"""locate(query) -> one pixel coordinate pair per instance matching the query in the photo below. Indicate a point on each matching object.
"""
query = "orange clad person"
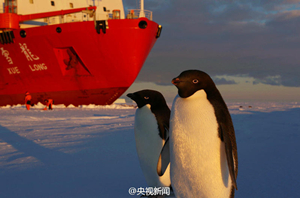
(27, 100)
(49, 103)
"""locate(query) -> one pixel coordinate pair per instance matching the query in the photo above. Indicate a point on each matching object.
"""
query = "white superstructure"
(104, 7)
(104, 11)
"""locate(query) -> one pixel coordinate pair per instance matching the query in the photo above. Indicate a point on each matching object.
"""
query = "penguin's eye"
(146, 97)
(195, 81)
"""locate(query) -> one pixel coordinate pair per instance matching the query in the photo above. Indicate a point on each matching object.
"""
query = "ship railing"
(85, 15)
(138, 13)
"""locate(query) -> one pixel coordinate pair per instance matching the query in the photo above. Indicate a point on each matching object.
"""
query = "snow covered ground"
(89, 152)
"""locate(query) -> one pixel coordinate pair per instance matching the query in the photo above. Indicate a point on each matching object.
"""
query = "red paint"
(76, 66)
(9, 21)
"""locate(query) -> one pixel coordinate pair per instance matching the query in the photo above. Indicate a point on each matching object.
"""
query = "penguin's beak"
(130, 95)
(175, 81)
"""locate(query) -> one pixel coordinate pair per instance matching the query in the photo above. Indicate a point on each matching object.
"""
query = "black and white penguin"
(151, 127)
(202, 144)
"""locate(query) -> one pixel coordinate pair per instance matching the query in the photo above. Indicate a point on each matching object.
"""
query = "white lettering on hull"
(13, 70)
(27, 52)
(38, 67)
(5, 53)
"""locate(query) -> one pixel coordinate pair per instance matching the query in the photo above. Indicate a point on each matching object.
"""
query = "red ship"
(81, 55)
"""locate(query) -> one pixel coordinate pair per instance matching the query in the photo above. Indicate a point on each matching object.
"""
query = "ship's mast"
(142, 13)
(90, 2)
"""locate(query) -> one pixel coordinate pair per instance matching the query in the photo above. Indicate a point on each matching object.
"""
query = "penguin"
(202, 143)
(151, 127)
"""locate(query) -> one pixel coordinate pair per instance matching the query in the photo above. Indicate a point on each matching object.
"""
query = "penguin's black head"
(190, 81)
(143, 97)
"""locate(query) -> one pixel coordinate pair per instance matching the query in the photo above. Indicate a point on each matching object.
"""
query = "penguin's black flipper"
(164, 159)
(166, 132)
(228, 149)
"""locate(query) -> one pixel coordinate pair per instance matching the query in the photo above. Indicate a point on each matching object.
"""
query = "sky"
(250, 48)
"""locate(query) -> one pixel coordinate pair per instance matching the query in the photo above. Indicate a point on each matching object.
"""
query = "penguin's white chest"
(198, 159)
(148, 146)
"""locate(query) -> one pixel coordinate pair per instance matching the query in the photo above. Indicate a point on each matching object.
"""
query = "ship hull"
(72, 63)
